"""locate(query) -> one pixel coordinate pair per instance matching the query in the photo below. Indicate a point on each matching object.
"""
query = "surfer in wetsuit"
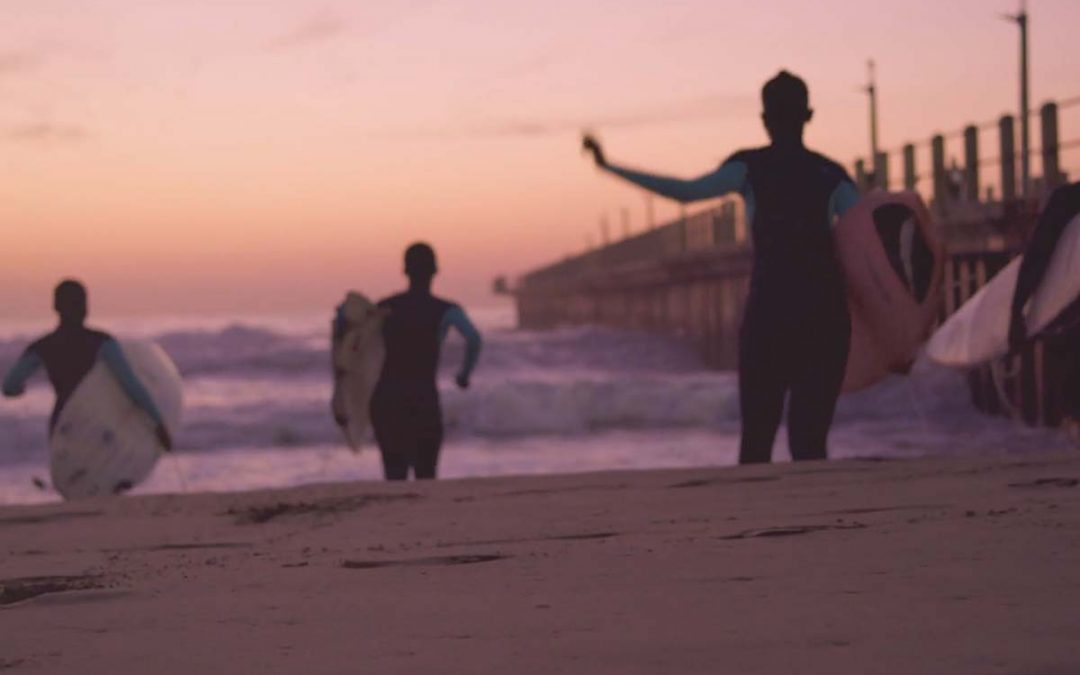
(1061, 339)
(69, 352)
(405, 411)
(796, 329)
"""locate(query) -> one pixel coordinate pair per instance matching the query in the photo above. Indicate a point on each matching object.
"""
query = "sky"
(262, 156)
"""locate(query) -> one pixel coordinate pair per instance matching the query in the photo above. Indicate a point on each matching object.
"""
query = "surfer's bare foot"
(462, 381)
(163, 437)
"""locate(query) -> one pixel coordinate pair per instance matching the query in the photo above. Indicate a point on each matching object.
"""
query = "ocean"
(257, 393)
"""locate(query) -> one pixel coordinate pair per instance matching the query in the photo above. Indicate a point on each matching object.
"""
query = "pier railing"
(986, 213)
(714, 228)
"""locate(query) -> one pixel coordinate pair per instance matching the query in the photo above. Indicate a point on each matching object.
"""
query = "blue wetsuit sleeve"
(730, 177)
(843, 197)
(455, 317)
(114, 358)
(15, 380)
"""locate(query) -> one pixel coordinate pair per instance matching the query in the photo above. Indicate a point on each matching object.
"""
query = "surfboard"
(978, 332)
(357, 357)
(893, 262)
(103, 442)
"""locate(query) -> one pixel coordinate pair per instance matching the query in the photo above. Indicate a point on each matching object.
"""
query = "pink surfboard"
(893, 264)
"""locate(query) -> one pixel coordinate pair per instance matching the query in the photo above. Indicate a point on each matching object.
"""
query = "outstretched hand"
(163, 437)
(591, 145)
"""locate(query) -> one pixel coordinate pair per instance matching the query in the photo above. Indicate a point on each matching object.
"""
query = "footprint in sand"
(259, 514)
(38, 519)
(791, 530)
(422, 562)
(25, 588)
(1048, 482)
(702, 482)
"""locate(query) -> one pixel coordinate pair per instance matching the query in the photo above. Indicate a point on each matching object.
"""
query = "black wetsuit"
(68, 354)
(405, 411)
(1062, 336)
(796, 331)
(1061, 208)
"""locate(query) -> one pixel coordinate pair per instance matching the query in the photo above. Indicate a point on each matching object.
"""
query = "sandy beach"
(928, 566)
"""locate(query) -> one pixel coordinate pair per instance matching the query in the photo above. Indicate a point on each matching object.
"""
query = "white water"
(584, 399)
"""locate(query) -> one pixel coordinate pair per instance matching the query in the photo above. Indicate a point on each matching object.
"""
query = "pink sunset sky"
(215, 156)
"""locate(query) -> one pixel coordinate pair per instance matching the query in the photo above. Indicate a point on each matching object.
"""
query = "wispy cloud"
(44, 132)
(528, 66)
(318, 28)
(328, 25)
(705, 108)
(18, 61)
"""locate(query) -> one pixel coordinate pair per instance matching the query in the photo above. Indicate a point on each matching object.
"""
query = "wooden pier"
(689, 278)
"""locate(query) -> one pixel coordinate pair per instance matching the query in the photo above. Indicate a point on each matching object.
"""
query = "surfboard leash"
(999, 372)
(178, 470)
(920, 411)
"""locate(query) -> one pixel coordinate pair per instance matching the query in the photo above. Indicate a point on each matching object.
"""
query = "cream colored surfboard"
(358, 360)
(103, 443)
(979, 331)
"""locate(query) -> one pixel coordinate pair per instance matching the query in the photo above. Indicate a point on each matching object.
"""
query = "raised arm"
(15, 380)
(129, 382)
(455, 317)
(729, 177)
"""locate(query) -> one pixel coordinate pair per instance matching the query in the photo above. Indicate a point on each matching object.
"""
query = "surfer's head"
(420, 262)
(69, 301)
(786, 109)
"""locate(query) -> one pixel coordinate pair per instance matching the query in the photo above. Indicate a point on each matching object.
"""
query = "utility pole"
(871, 91)
(1021, 20)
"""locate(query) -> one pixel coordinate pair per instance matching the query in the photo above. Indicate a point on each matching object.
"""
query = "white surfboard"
(358, 360)
(103, 442)
(979, 331)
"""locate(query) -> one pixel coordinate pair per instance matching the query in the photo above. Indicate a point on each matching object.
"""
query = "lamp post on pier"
(1021, 20)
(876, 162)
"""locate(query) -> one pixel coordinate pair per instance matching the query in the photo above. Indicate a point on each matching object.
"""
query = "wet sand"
(928, 566)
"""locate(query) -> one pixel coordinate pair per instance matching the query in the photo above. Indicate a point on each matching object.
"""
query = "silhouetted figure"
(796, 329)
(1061, 207)
(69, 352)
(405, 411)
(1062, 337)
